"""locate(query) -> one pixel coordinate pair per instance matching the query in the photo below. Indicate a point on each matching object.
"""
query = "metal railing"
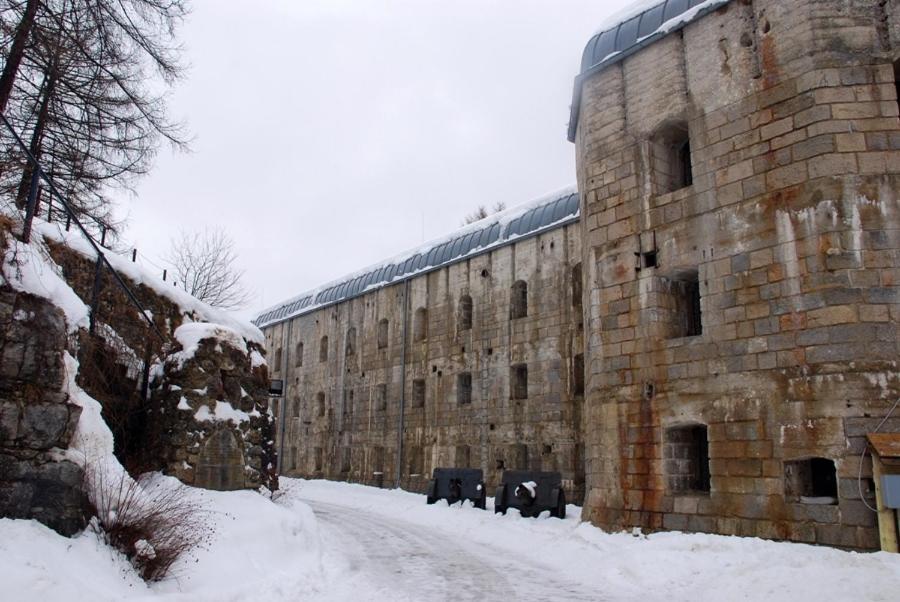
(102, 264)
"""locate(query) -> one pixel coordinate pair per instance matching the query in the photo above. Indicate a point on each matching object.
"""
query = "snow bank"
(257, 550)
(27, 270)
(223, 412)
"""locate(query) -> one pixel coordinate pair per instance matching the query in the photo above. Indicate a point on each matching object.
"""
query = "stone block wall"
(343, 416)
(788, 234)
(36, 418)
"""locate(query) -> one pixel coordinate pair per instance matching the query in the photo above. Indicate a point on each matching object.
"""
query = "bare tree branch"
(205, 264)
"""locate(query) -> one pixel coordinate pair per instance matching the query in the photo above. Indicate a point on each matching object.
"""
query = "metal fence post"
(31, 205)
(95, 294)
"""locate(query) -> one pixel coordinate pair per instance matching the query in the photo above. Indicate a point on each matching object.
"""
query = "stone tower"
(738, 163)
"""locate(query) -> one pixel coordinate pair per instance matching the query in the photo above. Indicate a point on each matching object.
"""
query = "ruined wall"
(343, 407)
(788, 228)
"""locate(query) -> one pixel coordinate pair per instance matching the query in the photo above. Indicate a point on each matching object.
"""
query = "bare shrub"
(152, 524)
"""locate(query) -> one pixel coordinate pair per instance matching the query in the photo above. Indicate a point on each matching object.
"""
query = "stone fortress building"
(700, 342)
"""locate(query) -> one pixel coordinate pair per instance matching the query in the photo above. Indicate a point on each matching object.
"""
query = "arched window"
(298, 355)
(464, 313)
(323, 349)
(420, 325)
(576, 285)
(518, 307)
(383, 331)
(351, 342)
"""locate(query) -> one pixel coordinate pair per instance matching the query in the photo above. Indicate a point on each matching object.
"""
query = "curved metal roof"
(613, 44)
(485, 235)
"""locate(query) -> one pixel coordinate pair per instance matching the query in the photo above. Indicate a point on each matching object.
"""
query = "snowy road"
(400, 560)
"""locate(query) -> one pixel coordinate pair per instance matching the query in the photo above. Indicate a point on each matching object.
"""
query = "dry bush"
(152, 524)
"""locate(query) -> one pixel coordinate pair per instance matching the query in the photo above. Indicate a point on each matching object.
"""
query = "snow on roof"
(494, 231)
(630, 29)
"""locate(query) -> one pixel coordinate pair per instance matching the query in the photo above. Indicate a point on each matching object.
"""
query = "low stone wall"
(212, 412)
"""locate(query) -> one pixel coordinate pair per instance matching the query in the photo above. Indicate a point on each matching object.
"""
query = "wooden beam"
(887, 517)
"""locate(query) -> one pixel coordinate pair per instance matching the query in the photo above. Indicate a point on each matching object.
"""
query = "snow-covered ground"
(333, 541)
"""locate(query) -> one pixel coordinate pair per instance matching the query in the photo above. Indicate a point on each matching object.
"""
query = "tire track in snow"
(392, 559)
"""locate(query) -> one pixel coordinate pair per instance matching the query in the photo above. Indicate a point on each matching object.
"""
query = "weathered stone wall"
(36, 418)
(790, 229)
(343, 408)
(210, 419)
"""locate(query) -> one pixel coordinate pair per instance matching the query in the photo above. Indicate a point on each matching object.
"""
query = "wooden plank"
(887, 518)
(886, 445)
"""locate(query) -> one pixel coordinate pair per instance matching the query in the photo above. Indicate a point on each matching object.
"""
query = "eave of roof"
(614, 44)
(498, 230)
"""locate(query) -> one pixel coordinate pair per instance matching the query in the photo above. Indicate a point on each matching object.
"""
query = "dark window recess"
(420, 325)
(578, 375)
(463, 456)
(686, 454)
(277, 367)
(317, 454)
(577, 285)
(381, 397)
(464, 388)
(518, 456)
(811, 481)
(298, 355)
(345, 459)
(518, 381)
(296, 408)
(416, 462)
(671, 159)
(320, 404)
(686, 313)
(897, 80)
(464, 311)
(383, 327)
(518, 303)
(323, 349)
(418, 393)
(350, 348)
(348, 402)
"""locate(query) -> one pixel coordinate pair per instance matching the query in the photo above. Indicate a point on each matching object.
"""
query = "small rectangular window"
(418, 393)
(687, 459)
(686, 311)
(811, 481)
(381, 397)
(518, 381)
(464, 388)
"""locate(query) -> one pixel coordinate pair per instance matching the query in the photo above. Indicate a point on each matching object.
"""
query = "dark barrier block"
(531, 493)
(457, 484)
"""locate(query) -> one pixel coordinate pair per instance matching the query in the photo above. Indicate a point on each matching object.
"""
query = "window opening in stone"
(277, 360)
(317, 453)
(686, 312)
(576, 286)
(420, 324)
(518, 307)
(418, 393)
(518, 385)
(298, 355)
(323, 349)
(578, 375)
(350, 348)
(811, 481)
(345, 460)
(686, 456)
(897, 80)
(381, 397)
(296, 408)
(671, 159)
(320, 404)
(383, 326)
(465, 312)
(348, 402)
(464, 388)
(463, 456)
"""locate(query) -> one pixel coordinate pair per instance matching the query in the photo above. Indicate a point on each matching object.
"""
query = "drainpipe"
(402, 387)
(285, 352)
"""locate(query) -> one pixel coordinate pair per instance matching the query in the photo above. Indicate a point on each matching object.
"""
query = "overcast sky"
(329, 135)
